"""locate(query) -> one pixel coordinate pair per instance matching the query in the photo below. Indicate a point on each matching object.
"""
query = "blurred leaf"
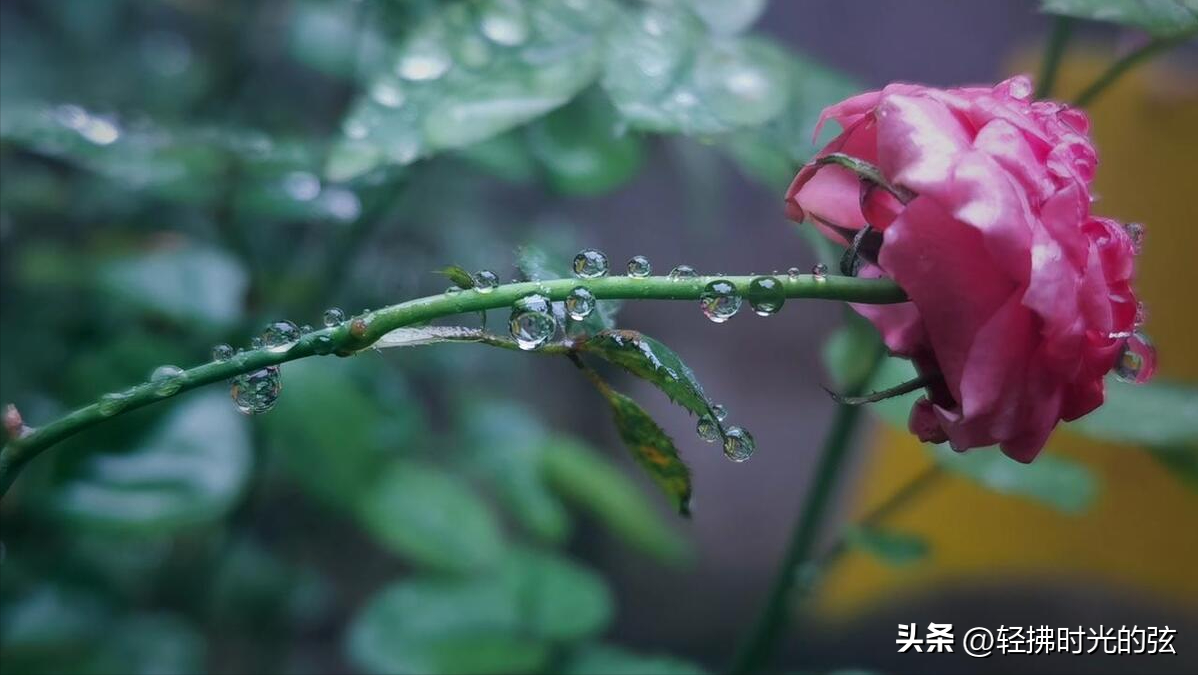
(191, 469)
(1157, 414)
(1051, 480)
(255, 590)
(1182, 462)
(334, 435)
(539, 263)
(460, 277)
(333, 37)
(666, 73)
(729, 16)
(582, 150)
(187, 284)
(50, 618)
(603, 659)
(847, 351)
(150, 644)
(888, 546)
(505, 157)
(652, 449)
(505, 445)
(774, 151)
(470, 72)
(497, 623)
(593, 483)
(1161, 18)
(431, 518)
(652, 361)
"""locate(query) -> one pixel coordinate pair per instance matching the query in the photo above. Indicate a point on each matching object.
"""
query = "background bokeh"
(177, 173)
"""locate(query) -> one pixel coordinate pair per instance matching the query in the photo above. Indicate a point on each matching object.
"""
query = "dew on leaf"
(738, 444)
(707, 429)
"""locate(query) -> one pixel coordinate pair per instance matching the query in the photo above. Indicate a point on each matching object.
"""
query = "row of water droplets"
(1136, 362)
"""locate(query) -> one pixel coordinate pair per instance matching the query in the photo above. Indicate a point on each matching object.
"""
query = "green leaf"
(505, 445)
(666, 73)
(459, 276)
(582, 150)
(1182, 462)
(431, 518)
(593, 483)
(188, 284)
(651, 448)
(888, 546)
(603, 659)
(191, 469)
(1157, 414)
(470, 72)
(496, 623)
(652, 361)
(333, 434)
(1161, 18)
(1053, 481)
(729, 16)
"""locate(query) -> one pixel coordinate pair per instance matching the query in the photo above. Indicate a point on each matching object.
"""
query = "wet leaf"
(1161, 18)
(593, 483)
(1182, 462)
(539, 263)
(431, 518)
(428, 335)
(652, 361)
(888, 546)
(1156, 414)
(459, 276)
(468, 73)
(191, 469)
(1053, 481)
(582, 150)
(729, 16)
(185, 284)
(604, 659)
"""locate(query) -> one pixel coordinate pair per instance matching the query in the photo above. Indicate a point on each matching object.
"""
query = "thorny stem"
(364, 330)
(762, 641)
(1118, 68)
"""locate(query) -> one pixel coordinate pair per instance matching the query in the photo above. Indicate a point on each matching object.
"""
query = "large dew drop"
(1137, 360)
(639, 267)
(167, 380)
(766, 295)
(222, 352)
(683, 272)
(532, 323)
(504, 23)
(485, 281)
(580, 303)
(590, 264)
(719, 300)
(708, 429)
(738, 444)
(279, 336)
(820, 272)
(256, 392)
(423, 61)
(332, 317)
(111, 404)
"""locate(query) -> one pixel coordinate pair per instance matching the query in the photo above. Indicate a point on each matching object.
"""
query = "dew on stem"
(332, 317)
(167, 380)
(114, 402)
(485, 281)
(531, 323)
(256, 392)
(279, 336)
(222, 352)
(820, 272)
(766, 295)
(683, 272)
(793, 273)
(720, 300)
(590, 264)
(580, 303)
(639, 267)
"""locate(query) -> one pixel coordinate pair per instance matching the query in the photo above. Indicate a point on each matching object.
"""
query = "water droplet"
(820, 272)
(305, 329)
(793, 273)
(279, 336)
(1135, 232)
(255, 342)
(387, 93)
(738, 444)
(332, 317)
(342, 204)
(708, 429)
(683, 272)
(222, 352)
(167, 380)
(301, 186)
(532, 323)
(485, 281)
(505, 23)
(1137, 360)
(590, 264)
(766, 295)
(720, 412)
(113, 403)
(580, 303)
(639, 267)
(256, 392)
(720, 300)
(423, 61)
(355, 129)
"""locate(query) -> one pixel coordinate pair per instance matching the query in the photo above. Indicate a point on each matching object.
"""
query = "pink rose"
(1020, 298)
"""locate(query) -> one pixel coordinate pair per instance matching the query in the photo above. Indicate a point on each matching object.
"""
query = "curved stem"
(761, 642)
(1062, 26)
(1118, 68)
(362, 331)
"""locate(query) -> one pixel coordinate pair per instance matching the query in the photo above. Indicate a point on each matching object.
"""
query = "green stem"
(761, 642)
(1062, 26)
(1118, 68)
(362, 331)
